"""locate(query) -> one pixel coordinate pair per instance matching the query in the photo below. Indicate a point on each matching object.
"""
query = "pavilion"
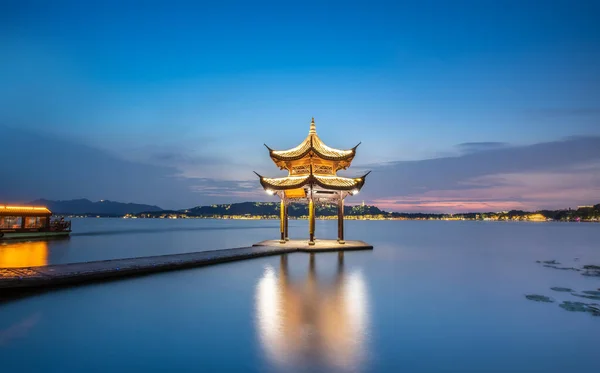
(312, 178)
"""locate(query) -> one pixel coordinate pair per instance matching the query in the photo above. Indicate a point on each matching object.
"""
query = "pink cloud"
(515, 191)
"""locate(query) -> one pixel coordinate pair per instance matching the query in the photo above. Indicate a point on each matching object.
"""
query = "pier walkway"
(75, 273)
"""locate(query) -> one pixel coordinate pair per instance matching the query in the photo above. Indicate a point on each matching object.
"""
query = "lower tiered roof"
(325, 182)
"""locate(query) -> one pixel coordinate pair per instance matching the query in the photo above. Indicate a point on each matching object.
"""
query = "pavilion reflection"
(23, 254)
(315, 320)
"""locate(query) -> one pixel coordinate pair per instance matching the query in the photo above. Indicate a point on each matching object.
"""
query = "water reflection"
(312, 320)
(19, 329)
(23, 254)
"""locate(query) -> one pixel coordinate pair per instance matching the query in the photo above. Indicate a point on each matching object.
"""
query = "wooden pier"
(75, 273)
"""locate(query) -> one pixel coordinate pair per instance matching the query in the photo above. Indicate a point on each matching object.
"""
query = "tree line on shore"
(297, 210)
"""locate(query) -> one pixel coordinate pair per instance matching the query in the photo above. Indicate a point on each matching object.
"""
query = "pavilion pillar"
(282, 221)
(341, 220)
(311, 221)
(285, 228)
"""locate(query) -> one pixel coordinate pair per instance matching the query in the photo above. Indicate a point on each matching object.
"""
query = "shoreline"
(324, 218)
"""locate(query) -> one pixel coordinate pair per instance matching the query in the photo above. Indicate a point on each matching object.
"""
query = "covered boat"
(30, 222)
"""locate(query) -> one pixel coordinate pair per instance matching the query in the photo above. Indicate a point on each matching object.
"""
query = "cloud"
(545, 175)
(191, 164)
(229, 189)
(40, 166)
(547, 113)
(470, 147)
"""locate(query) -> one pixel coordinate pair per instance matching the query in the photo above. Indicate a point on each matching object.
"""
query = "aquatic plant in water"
(539, 298)
(591, 270)
(594, 297)
(566, 290)
(580, 307)
(547, 261)
(588, 269)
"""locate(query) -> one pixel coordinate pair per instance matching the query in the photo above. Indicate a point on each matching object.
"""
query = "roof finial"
(313, 129)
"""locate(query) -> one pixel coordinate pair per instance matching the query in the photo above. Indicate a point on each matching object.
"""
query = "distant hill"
(85, 206)
(272, 208)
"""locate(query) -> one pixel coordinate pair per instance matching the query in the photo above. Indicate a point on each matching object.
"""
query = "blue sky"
(184, 94)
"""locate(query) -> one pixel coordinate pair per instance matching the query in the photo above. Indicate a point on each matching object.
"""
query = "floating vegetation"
(539, 298)
(563, 268)
(566, 290)
(594, 297)
(580, 307)
(547, 261)
(591, 270)
(586, 270)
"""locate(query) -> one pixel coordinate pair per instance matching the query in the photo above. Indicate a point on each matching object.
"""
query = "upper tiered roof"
(313, 146)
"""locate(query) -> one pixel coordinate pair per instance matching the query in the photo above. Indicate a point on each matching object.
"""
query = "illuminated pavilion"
(312, 177)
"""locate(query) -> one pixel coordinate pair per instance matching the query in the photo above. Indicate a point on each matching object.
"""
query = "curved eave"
(281, 183)
(334, 184)
(280, 155)
(331, 183)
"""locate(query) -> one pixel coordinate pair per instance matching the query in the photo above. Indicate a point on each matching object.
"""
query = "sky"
(459, 105)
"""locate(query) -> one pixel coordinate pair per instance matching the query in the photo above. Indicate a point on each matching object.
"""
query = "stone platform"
(319, 246)
(76, 273)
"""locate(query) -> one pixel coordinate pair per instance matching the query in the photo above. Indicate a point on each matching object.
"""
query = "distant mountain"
(85, 206)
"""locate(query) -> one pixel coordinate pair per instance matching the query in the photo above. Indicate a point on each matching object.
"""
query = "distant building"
(536, 217)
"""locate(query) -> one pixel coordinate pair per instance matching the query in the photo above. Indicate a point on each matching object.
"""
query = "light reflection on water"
(312, 319)
(19, 329)
(23, 254)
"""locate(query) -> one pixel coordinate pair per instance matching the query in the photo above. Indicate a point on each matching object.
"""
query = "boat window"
(10, 222)
(35, 222)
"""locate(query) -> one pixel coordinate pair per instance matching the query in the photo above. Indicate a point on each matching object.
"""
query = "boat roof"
(6, 210)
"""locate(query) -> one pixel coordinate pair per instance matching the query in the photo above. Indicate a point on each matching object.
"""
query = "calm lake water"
(431, 297)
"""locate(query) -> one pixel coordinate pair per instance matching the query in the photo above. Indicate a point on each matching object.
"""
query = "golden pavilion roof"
(312, 145)
(310, 165)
